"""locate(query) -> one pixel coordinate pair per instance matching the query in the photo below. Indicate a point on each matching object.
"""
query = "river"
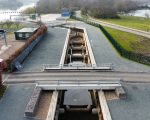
(141, 13)
(5, 14)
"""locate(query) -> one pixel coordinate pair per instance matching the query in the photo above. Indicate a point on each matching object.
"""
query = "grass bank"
(132, 22)
(130, 42)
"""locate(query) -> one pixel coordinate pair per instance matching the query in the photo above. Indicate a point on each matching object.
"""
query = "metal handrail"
(79, 82)
(65, 66)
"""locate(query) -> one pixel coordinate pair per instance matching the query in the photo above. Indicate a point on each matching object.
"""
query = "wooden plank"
(53, 105)
(104, 107)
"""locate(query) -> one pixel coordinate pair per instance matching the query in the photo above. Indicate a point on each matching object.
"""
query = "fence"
(138, 57)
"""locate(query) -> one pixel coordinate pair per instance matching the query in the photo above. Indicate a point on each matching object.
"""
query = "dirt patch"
(44, 104)
(110, 95)
(15, 45)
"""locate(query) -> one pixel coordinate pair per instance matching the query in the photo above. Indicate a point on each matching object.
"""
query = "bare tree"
(147, 15)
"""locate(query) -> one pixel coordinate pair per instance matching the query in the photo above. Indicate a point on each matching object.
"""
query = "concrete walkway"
(48, 51)
(135, 107)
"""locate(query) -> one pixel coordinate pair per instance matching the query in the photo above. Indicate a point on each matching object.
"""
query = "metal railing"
(107, 66)
(78, 84)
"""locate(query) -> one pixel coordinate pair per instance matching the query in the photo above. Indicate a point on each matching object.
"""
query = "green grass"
(70, 19)
(13, 27)
(2, 91)
(130, 42)
(131, 21)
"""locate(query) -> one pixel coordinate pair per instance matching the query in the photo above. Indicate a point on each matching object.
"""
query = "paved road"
(32, 77)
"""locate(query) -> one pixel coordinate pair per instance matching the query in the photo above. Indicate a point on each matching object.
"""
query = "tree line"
(94, 8)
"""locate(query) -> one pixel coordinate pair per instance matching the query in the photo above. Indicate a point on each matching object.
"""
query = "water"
(141, 13)
(5, 14)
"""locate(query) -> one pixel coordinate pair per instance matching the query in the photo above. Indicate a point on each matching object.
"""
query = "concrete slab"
(12, 105)
(48, 51)
(135, 107)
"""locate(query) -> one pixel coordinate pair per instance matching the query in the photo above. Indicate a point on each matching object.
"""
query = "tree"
(30, 10)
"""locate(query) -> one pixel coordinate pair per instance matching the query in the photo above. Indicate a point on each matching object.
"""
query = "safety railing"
(107, 66)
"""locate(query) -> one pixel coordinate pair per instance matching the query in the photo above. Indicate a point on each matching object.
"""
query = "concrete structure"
(50, 52)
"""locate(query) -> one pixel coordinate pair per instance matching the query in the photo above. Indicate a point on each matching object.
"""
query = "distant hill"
(8, 4)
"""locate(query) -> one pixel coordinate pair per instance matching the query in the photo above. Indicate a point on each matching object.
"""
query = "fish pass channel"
(72, 104)
(77, 53)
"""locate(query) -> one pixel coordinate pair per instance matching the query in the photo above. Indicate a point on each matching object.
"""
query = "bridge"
(58, 75)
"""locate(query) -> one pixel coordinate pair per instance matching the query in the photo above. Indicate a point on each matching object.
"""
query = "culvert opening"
(78, 105)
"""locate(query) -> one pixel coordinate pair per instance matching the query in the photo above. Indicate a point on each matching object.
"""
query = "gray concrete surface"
(48, 51)
(135, 107)
(104, 52)
(74, 75)
(14, 101)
